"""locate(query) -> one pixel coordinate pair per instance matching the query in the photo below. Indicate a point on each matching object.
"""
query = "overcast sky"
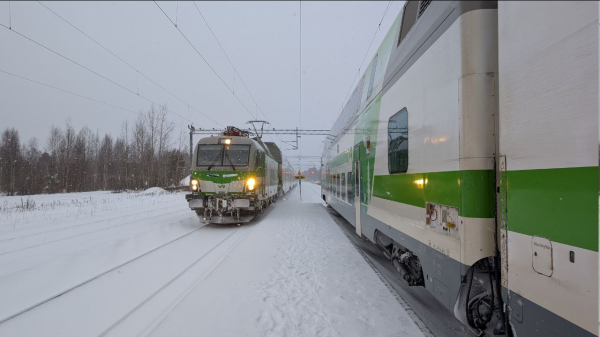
(262, 40)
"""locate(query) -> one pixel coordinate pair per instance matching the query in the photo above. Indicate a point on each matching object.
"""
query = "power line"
(126, 63)
(365, 56)
(204, 59)
(68, 92)
(90, 70)
(235, 71)
(228, 59)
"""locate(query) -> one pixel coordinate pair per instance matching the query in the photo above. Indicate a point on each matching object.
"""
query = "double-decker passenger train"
(468, 152)
(234, 177)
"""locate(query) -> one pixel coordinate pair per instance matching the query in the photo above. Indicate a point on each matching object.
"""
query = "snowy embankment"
(18, 212)
(145, 265)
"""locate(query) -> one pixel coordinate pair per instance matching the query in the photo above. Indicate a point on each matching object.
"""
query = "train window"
(343, 186)
(236, 155)
(409, 17)
(350, 188)
(209, 154)
(333, 184)
(398, 142)
(373, 70)
(339, 189)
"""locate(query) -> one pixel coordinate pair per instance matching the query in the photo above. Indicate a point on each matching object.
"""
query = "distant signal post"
(299, 177)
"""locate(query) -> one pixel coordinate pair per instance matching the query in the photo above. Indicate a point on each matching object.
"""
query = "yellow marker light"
(227, 141)
(250, 184)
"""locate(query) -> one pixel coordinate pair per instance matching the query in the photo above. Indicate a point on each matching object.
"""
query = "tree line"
(147, 153)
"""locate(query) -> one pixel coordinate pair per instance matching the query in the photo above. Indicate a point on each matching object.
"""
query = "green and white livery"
(468, 154)
(234, 177)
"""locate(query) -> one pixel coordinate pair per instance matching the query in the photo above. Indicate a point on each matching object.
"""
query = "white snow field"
(139, 264)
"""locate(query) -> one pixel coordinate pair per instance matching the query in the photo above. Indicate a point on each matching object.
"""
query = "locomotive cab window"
(398, 142)
(209, 154)
(237, 155)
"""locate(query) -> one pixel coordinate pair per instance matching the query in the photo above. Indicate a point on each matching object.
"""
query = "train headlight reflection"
(250, 183)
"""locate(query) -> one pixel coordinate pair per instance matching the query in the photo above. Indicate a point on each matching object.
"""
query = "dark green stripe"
(558, 204)
(475, 199)
(241, 175)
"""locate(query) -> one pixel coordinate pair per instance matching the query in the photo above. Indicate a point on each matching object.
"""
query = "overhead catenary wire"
(235, 71)
(229, 60)
(90, 70)
(204, 59)
(365, 56)
(69, 92)
(128, 64)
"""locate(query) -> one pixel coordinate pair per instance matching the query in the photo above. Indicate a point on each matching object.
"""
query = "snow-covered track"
(78, 273)
(41, 230)
(25, 258)
(35, 240)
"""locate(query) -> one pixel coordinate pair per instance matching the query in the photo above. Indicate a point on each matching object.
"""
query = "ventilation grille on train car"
(423, 6)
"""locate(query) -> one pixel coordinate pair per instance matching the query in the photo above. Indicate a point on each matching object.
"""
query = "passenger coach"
(468, 154)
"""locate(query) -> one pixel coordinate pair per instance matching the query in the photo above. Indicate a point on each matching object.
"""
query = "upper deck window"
(398, 142)
(373, 70)
(409, 17)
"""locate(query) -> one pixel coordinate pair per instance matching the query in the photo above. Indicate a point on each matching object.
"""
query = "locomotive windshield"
(209, 155)
(223, 155)
(237, 154)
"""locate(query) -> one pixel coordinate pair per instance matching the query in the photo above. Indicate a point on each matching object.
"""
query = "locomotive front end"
(230, 178)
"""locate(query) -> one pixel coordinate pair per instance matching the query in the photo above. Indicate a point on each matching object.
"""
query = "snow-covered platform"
(161, 272)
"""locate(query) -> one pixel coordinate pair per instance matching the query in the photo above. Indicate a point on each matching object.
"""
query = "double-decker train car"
(468, 154)
(234, 177)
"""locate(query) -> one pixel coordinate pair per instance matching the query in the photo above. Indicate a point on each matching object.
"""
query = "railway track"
(155, 279)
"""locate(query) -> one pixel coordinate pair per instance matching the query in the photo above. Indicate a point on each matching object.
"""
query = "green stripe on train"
(477, 200)
(558, 204)
(205, 175)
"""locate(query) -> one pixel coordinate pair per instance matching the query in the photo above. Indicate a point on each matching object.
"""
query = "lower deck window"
(343, 188)
(350, 188)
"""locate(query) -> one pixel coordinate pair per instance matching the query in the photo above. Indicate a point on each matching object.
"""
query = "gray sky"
(262, 39)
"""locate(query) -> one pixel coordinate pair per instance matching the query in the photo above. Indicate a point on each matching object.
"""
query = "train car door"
(357, 179)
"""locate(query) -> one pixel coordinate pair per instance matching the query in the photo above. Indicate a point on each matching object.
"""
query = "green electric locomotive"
(233, 177)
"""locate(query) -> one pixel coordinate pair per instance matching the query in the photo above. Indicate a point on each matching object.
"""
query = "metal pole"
(192, 129)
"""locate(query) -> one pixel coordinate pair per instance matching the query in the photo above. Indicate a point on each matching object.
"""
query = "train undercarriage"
(478, 303)
(228, 209)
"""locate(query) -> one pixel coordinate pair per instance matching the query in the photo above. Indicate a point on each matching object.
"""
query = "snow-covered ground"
(138, 264)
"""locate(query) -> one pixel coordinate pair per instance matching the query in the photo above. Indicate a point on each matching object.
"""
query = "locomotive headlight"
(194, 183)
(250, 184)
(227, 141)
